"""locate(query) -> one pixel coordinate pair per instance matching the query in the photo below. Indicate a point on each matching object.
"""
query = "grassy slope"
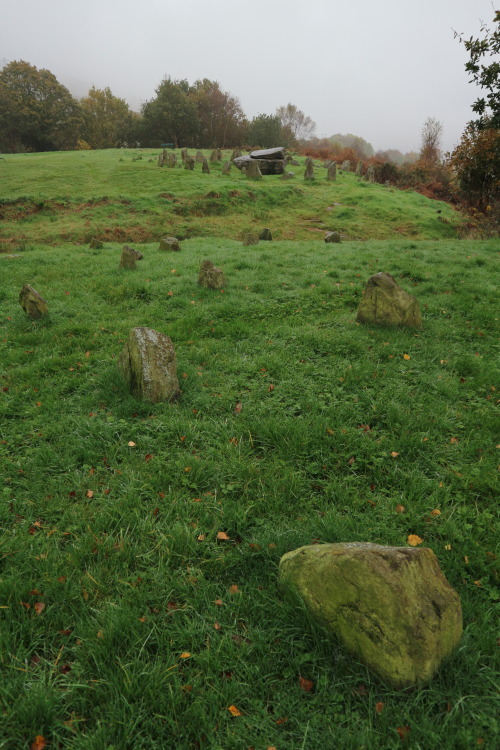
(119, 542)
(74, 196)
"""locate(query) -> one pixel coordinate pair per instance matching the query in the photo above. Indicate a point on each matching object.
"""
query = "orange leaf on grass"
(414, 540)
(435, 512)
(400, 508)
(89, 493)
(379, 707)
(38, 743)
(39, 607)
(222, 536)
(306, 685)
(131, 443)
(234, 589)
(234, 711)
(238, 407)
(282, 720)
(185, 655)
(406, 356)
(394, 454)
(404, 732)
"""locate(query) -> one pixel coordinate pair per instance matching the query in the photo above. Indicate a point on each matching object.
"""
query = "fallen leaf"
(221, 535)
(435, 512)
(218, 602)
(282, 720)
(131, 443)
(305, 684)
(148, 457)
(39, 607)
(351, 461)
(39, 742)
(454, 440)
(271, 387)
(234, 711)
(238, 407)
(216, 626)
(406, 356)
(201, 537)
(234, 589)
(87, 354)
(403, 732)
(447, 547)
(100, 634)
(185, 655)
(400, 508)
(394, 454)
(89, 493)
(414, 540)
(379, 707)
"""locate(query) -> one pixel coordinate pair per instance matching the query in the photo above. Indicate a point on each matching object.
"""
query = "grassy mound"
(140, 544)
(74, 196)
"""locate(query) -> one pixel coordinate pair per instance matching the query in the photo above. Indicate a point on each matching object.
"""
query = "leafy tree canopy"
(107, 120)
(265, 131)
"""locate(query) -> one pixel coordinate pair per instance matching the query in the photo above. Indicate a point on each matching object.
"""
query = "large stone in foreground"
(384, 302)
(149, 366)
(32, 302)
(390, 606)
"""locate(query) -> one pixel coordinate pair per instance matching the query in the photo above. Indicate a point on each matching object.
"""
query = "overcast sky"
(375, 68)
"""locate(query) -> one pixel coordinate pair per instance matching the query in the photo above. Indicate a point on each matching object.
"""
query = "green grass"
(120, 542)
(74, 196)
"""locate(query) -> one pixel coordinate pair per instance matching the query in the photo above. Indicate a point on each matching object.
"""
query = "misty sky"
(375, 68)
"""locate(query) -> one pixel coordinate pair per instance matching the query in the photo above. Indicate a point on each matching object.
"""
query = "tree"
(295, 124)
(266, 131)
(221, 119)
(36, 111)
(430, 150)
(485, 76)
(107, 120)
(171, 116)
(363, 149)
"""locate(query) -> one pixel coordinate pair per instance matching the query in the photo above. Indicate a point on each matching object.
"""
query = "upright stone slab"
(331, 174)
(161, 160)
(169, 243)
(332, 237)
(384, 302)
(148, 364)
(32, 302)
(213, 156)
(309, 173)
(199, 157)
(266, 235)
(129, 257)
(252, 170)
(389, 606)
(95, 244)
(172, 159)
(359, 169)
(184, 154)
(211, 277)
(346, 166)
(189, 163)
(204, 167)
(226, 168)
(370, 174)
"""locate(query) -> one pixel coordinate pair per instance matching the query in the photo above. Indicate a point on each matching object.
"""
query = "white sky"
(375, 68)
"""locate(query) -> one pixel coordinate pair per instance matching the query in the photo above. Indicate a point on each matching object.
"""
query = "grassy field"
(125, 621)
(74, 196)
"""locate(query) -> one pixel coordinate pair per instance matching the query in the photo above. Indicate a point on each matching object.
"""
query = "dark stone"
(309, 173)
(266, 235)
(332, 237)
(95, 244)
(211, 277)
(32, 302)
(266, 166)
(204, 167)
(169, 243)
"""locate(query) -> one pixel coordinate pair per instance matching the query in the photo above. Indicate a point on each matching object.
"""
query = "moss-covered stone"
(148, 364)
(32, 302)
(210, 276)
(170, 243)
(384, 302)
(390, 606)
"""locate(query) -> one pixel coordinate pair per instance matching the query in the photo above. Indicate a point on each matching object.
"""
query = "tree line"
(38, 113)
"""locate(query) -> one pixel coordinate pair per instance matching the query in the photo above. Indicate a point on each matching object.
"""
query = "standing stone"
(331, 175)
(161, 160)
(205, 168)
(370, 173)
(386, 303)
(189, 163)
(213, 157)
(236, 153)
(169, 243)
(95, 244)
(148, 364)
(172, 159)
(266, 235)
(164, 154)
(249, 237)
(346, 166)
(390, 606)
(199, 157)
(252, 170)
(226, 167)
(309, 173)
(359, 169)
(32, 302)
(332, 237)
(218, 154)
(129, 257)
(211, 277)
(184, 154)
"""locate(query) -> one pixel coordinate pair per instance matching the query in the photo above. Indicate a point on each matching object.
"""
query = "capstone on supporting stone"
(32, 302)
(384, 302)
(169, 243)
(148, 364)
(390, 606)
(210, 276)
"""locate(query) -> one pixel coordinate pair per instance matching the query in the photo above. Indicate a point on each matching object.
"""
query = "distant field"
(125, 621)
(74, 196)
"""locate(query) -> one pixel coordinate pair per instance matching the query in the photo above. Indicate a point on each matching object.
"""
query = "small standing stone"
(171, 159)
(266, 235)
(252, 170)
(32, 302)
(218, 154)
(346, 166)
(226, 168)
(184, 154)
(331, 175)
(370, 173)
(204, 167)
(169, 243)
(161, 160)
(129, 258)
(211, 277)
(189, 163)
(359, 169)
(332, 237)
(213, 156)
(148, 364)
(384, 302)
(95, 244)
(309, 173)
(199, 157)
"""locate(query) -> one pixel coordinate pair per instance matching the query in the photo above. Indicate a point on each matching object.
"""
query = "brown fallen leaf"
(39, 607)
(404, 732)
(234, 711)
(38, 743)
(234, 589)
(435, 512)
(379, 707)
(222, 536)
(400, 508)
(238, 407)
(414, 540)
(306, 685)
